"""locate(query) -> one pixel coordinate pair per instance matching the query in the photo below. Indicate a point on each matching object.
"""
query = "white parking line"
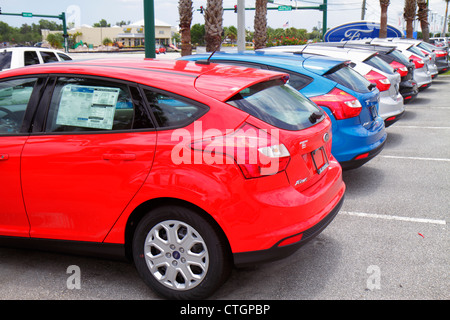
(389, 217)
(419, 127)
(416, 158)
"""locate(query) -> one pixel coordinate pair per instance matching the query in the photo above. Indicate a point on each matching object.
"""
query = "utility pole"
(241, 25)
(363, 10)
(149, 28)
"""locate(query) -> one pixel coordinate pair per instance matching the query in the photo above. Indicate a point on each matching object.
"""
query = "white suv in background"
(11, 58)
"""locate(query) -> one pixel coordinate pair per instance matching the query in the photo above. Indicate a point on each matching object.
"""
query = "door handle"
(4, 156)
(119, 156)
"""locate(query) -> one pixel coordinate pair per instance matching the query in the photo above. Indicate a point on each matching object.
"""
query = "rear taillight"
(341, 104)
(255, 151)
(401, 69)
(418, 62)
(440, 53)
(381, 81)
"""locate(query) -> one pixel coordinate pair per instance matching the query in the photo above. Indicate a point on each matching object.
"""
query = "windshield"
(378, 63)
(278, 104)
(350, 78)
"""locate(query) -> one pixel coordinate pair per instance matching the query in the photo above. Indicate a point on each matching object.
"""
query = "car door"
(92, 151)
(15, 96)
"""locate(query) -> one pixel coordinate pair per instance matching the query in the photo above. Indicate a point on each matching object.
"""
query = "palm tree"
(383, 19)
(185, 10)
(422, 16)
(213, 24)
(409, 14)
(260, 24)
(445, 18)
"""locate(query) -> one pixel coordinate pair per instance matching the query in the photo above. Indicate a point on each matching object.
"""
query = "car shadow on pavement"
(363, 181)
(301, 276)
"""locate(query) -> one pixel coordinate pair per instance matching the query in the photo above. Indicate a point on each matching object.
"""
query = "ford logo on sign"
(359, 30)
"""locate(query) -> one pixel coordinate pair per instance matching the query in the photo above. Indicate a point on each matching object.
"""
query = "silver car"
(366, 62)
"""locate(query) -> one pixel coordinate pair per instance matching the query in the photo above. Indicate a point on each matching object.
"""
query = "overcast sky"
(91, 11)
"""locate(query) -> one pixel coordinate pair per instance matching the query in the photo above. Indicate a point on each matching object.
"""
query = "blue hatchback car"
(347, 97)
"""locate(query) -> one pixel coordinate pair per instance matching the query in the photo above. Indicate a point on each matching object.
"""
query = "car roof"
(218, 81)
(359, 45)
(313, 63)
(30, 48)
(330, 51)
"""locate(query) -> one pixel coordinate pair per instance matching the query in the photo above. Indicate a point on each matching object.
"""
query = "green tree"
(101, 24)
(55, 40)
(198, 34)
(231, 33)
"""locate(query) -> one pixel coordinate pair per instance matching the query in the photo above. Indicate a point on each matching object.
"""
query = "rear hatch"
(360, 88)
(298, 133)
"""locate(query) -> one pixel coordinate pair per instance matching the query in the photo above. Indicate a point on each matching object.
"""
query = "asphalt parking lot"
(390, 240)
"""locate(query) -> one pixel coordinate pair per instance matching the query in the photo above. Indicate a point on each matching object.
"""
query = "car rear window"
(349, 78)
(416, 51)
(278, 104)
(5, 60)
(399, 57)
(378, 63)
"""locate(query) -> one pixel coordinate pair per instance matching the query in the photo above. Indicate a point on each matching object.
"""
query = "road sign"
(27, 14)
(284, 8)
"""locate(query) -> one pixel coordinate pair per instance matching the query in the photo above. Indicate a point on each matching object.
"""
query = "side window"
(48, 56)
(296, 80)
(80, 104)
(171, 111)
(64, 57)
(14, 97)
(5, 59)
(30, 58)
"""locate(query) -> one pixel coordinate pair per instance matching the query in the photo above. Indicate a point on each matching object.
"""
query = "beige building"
(133, 35)
(130, 36)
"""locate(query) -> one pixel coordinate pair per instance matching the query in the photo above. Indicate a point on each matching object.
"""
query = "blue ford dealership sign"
(359, 30)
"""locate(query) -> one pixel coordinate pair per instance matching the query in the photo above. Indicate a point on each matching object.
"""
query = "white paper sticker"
(87, 106)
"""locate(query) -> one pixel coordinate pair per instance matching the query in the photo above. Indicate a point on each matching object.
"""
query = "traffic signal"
(201, 9)
(235, 8)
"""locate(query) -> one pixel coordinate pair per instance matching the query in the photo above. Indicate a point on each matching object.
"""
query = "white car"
(11, 58)
(374, 69)
(423, 68)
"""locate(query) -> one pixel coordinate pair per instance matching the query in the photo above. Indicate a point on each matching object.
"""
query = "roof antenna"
(303, 49)
(207, 61)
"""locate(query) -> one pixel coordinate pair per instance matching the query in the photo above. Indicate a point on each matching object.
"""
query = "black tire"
(179, 254)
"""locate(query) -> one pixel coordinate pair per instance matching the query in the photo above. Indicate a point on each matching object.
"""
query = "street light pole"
(241, 25)
(149, 28)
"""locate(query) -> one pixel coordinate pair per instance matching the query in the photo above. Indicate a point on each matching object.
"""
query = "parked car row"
(190, 166)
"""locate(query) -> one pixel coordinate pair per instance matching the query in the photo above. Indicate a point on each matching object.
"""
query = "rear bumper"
(393, 119)
(358, 161)
(277, 252)
(409, 90)
(390, 106)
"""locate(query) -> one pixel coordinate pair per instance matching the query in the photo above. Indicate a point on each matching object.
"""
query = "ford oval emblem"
(326, 137)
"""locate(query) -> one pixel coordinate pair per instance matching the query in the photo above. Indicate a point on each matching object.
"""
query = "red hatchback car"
(185, 168)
